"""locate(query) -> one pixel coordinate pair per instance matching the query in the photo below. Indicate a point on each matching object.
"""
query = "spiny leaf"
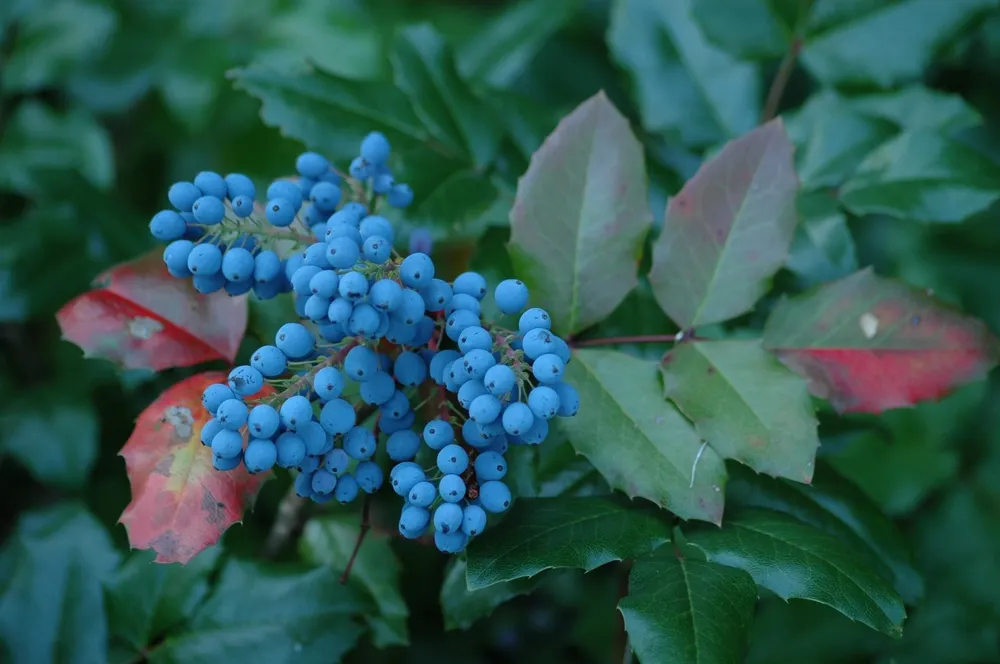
(823, 249)
(580, 217)
(541, 533)
(180, 504)
(638, 441)
(142, 318)
(868, 344)
(727, 231)
(681, 611)
(745, 404)
(463, 607)
(794, 560)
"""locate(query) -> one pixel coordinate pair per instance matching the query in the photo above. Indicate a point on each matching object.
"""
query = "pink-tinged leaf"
(180, 504)
(728, 230)
(580, 217)
(869, 344)
(141, 317)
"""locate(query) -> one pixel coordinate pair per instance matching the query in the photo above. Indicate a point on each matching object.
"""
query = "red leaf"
(141, 317)
(869, 344)
(180, 504)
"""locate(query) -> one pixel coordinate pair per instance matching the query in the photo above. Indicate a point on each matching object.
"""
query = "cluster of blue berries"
(218, 235)
(382, 340)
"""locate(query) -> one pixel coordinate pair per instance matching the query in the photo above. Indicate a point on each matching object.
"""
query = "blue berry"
(208, 283)
(340, 311)
(328, 383)
(336, 461)
(364, 321)
(295, 411)
(358, 169)
(294, 340)
(440, 361)
(548, 368)
(377, 249)
(341, 229)
(447, 518)
(280, 212)
(452, 488)
(400, 196)
(473, 520)
(417, 270)
(260, 457)
(324, 284)
(377, 226)
(302, 279)
(463, 301)
(325, 196)
(175, 257)
(227, 464)
(211, 184)
(537, 342)
(397, 406)
(421, 241)
(227, 444)
(422, 494)
(286, 190)
(238, 185)
(403, 445)
(312, 165)
(237, 265)
(383, 183)
(494, 496)
(347, 489)
(315, 438)
(209, 210)
(232, 414)
(378, 389)
(369, 476)
(458, 322)
(353, 286)
(167, 226)
(245, 381)
(477, 362)
(291, 450)
(269, 361)
(413, 521)
(438, 433)
(210, 428)
(385, 295)
(569, 399)
(452, 459)
(310, 464)
(316, 308)
(337, 417)
(411, 307)
(205, 260)
(471, 391)
(534, 318)
(182, 195)
(543, 402)
(490, 466)
(517, 419)
(410, 369)
(405, 476)
(360, 363)
(303, 485)
(315, 255)
(511, 296)
(537, 433)
(375, 148)
(263, 421)
(473, 338)
(470, 283)
(214, 395)
(450, 542)
(323, 482)
(242, 206)
(437, 295)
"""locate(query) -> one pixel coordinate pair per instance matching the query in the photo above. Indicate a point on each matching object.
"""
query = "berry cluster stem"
(365, 527)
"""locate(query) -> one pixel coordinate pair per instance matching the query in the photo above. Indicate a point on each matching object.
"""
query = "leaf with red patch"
(141, 317)
(869, 344)
(728, 230)
(180, 504)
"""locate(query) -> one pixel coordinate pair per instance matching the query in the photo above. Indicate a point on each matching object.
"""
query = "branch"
(683, 335)
(365, 527)
(780, 81)
(292, 515)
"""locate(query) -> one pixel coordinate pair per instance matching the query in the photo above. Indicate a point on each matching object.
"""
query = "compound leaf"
(180, 504)
(542, 533)
(681, 611)
(795, 560)
(463, 607)
(868, 344)
(640, 443)
(580, 217)
(728, 230)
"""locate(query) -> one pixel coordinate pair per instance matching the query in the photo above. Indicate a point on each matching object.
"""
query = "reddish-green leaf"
(868, 344)
(745, 404)
(728, 230)
(580, 217)
(180, 504)
(142, 318)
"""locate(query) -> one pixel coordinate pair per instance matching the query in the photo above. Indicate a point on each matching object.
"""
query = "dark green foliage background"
(104, 104)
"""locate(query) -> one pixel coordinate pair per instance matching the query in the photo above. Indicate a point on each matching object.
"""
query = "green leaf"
(640, 443)
(499, 52)
(679, 611)
(39, 139)
(839, 508)
(748, 29)
(458, 207)
(51, 42)
(916, 107)
(795, 560)
(330, 541)
(526, 121)
(51, 602)
(849, 48)
(727, 231)
(834, 138)
(424, 68)
(580, 217)
(923, 176)
(145, 599)
(745, 404)
(267, 613)
(463, 607)
(682, 83)
(544, 533)
(56, 442)
(823, 248)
